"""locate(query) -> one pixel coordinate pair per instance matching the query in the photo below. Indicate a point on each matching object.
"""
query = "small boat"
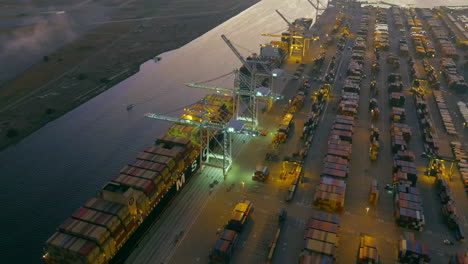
(129, 107)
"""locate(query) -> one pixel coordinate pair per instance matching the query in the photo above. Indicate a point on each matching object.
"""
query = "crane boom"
(377, 3)
(236, 52)
(281, 36)
(217, 89)
(317, 6)
(281, 15)
(203, 124)
(237, 91)
(181, 121)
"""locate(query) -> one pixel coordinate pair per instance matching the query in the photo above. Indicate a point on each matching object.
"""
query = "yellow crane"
(298, 45)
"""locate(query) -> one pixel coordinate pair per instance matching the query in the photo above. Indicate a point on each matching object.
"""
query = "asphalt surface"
(197, 215)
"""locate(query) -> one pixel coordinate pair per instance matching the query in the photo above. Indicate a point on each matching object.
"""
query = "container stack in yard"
(393, 60)
(430, 139)
(367, 253)
(443, 40)
(321, 238)
(418, 36)
(444, 113)
(463, 108)
(407, 201)
(408, 207)
(461, 157)
(397, 19)
(398, 114)
(374, 145)
(453, 77)
(410, 251)
(395, 83)
(439, 35)
(459, 258)
(449, 210)
(363, 26)
(381, 40)
(107, 227)
(400, 135)
(224, 247)
(397, 99)
(330, 193)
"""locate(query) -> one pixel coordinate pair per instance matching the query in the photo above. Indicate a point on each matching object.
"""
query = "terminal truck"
(283, 129)
(261, 173)
(224, 247)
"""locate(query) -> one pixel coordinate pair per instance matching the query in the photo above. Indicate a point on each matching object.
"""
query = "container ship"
(106, 228)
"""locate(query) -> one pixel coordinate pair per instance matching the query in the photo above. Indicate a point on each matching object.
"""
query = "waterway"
(49, 174)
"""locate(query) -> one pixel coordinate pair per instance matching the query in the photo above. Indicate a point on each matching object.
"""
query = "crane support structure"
(238, 55)
(247, 86)
(209, 132)
(298, 45)
(319, 8)
(281, 15)
(434, 158)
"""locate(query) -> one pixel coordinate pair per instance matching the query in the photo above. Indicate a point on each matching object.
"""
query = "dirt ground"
(133, 32)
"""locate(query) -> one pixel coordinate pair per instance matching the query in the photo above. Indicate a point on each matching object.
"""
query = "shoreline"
(83, 77)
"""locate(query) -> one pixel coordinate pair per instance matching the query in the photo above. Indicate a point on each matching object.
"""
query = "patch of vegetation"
(82, 76)
(85, 48)
(45, 58)
(11, 133)
(49, 111)
(104, 80)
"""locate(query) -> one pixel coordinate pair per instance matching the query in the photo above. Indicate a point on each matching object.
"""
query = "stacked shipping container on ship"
(106, 228)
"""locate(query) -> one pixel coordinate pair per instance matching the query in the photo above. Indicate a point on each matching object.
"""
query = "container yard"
(356, 133)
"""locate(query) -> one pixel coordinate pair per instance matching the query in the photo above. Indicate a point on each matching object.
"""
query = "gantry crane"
(298, 45)
(209, 131)
(248, 87)
(298, 38)
(254, 89)
(284, 18)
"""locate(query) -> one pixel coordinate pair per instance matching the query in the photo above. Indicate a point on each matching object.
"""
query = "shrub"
(11, 133)
(49, 111)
